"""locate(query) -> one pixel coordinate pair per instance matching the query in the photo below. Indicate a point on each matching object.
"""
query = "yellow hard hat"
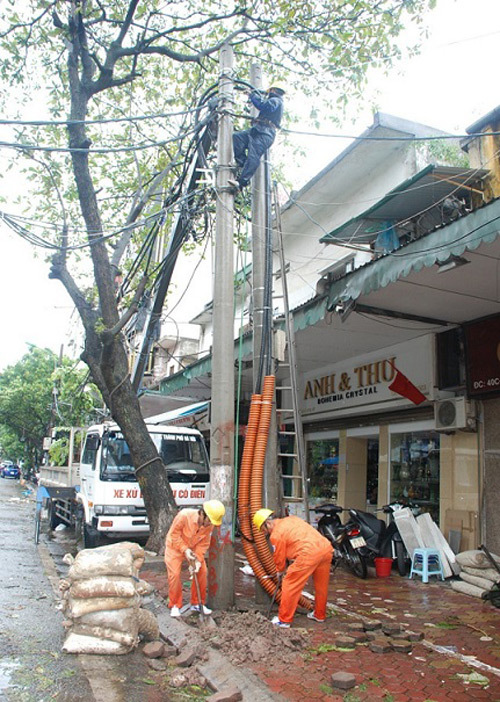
(260, 516)
(276, 89)
(215, 510)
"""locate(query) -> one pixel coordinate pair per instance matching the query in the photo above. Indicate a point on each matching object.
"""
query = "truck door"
(89, 467)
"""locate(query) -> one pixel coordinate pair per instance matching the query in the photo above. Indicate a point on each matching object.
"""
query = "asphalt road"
(32, 665)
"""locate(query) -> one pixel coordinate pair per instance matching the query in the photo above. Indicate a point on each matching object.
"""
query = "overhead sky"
(449, 86)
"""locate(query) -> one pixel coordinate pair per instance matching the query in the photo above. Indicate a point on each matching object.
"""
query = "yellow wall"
(483, 153)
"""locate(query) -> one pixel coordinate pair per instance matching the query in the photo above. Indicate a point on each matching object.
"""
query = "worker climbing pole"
(258, 482)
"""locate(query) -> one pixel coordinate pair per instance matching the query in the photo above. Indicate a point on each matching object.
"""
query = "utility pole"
(261, 315)
(222, 429)
(258, 249)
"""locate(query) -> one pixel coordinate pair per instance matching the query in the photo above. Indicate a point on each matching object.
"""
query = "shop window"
(322, 469)
(415, 470)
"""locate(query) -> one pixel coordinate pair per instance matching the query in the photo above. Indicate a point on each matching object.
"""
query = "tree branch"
(109, 334)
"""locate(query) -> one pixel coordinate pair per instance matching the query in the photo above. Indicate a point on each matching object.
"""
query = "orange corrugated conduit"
(250, 483)
(244, 515)
(261, 545)
(246, 469)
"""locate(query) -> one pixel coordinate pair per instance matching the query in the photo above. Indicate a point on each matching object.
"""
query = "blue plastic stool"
(425, 562)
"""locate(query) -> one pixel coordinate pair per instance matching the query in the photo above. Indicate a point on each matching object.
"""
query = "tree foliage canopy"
(38, 392)
(125, 85)
(130, 60)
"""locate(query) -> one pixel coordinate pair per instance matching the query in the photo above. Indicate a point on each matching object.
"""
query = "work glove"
(190, 555)
(194, 568)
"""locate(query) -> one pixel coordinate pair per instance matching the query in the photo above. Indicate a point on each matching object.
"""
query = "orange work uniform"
(186, 533)
(296, 540)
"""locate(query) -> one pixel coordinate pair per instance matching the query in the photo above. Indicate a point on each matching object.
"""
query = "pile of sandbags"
(101, 599)
(477, 576)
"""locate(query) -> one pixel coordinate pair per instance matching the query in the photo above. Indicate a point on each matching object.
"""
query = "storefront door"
(415, 468)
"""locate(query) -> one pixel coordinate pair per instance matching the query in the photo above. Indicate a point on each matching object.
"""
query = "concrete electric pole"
(222, 429)
(262, 315)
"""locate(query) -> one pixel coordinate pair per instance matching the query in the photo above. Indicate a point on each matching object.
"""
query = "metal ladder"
(295, 434)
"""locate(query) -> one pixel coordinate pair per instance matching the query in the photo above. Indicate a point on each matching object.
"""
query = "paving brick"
(391, 628)
(358, 636)
(355, 626)
(380, 646)
(345, 642)
(415, 635)
(371, 624)
(343, 680)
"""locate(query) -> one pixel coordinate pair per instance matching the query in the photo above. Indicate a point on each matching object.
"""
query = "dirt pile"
(249, 637)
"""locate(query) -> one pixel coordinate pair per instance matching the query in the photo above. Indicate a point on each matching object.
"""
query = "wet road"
(32, 666)
(31, 634)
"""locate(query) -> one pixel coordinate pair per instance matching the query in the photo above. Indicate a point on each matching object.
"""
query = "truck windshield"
(116, 459)
(184, 456)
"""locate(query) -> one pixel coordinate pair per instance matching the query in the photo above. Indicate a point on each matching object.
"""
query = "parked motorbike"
(382, 540)
(346, 539)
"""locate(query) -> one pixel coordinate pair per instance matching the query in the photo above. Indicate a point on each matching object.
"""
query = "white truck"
(89, 481)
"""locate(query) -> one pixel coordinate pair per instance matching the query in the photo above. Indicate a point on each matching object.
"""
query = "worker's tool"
(198, 593)
(494, 594)
(273, 599)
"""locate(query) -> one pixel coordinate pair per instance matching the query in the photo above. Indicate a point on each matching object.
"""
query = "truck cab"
(103, 496)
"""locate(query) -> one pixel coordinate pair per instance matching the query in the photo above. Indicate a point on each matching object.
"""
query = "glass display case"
(322, 456)
(415, 470)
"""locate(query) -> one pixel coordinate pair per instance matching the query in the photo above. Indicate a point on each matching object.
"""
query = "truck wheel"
(86, 536)
(54, 520)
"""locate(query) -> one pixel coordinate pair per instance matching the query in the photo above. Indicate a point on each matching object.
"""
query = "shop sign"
(482, 343)
(366, 379)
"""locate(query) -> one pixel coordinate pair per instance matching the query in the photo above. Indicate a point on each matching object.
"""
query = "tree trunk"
(105, 352)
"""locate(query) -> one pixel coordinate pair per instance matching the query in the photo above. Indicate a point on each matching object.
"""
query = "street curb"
(219, 672)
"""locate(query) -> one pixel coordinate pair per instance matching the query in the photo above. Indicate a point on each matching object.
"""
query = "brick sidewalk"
(454, 626)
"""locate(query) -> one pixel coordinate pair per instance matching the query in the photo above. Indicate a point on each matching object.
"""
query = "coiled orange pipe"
(250, 483)
(246, 468)
(261, 545)
(244, 496)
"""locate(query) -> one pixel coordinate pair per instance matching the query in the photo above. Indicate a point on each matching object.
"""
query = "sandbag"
(475, 559)
(78, 607)
(79, 643)
(144, 588)
(100, 632)
(104, 586)
(148, 626)
(467, 588)
(118, 619)
(488, 573)
(123, 558)
(476, 580)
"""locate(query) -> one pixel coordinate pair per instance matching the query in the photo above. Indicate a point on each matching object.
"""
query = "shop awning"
(417, 195)
(465, 234)
(177, 414)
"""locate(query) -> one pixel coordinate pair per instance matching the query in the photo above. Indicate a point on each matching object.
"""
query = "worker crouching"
(189, 538)
(310, 553)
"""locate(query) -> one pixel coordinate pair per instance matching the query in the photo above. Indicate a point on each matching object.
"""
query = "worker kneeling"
(295, 540)
(189, 538)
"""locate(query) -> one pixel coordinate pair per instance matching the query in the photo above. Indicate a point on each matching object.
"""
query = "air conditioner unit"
(455, 413)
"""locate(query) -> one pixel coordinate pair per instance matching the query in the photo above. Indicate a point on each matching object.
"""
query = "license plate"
(358, 542)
